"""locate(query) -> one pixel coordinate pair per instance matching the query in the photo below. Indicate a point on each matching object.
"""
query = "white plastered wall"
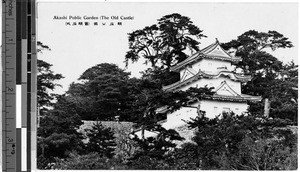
(212, 109)
(210, 65)
(177, 118)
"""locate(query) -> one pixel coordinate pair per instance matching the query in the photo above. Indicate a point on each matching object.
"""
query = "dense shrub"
(259, 155)
(184, 158)
(91, 161)
(232, 142)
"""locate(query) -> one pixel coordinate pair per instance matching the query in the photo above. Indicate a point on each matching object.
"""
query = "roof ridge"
(204, 54)
(208, 46)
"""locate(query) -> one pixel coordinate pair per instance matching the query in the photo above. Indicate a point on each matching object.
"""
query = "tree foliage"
(185, 157)
(103, 92)
(62, 119)
(251, 46)
(57, 133)
(284, 94)
(46, 81)
(156, 147)
(232, 142)
(164, 44)
(153, 150)
(270, 77)
(106, 92)
(90, 161)
(100, 140)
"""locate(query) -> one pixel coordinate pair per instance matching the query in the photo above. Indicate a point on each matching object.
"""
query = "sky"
(77, 48)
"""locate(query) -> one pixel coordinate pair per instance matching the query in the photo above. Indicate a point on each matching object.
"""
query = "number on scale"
(10, 89)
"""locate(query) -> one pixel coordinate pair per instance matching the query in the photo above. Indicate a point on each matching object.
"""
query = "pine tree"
(101, 140)
(170, 41)
(46, 81)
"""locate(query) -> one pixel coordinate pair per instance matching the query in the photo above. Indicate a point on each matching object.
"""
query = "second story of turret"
(210, 60)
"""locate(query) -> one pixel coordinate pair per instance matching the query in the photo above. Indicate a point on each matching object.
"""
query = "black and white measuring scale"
(18, 85)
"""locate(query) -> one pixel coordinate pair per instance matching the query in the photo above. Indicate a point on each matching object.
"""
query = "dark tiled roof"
(206, 53)
(202, 74)
(241, 98)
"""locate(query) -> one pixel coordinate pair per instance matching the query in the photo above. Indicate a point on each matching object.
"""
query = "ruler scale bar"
(18, 148)
(18, 85)
(19, 43)
(18, 106)
(19, 94)
(32, 117)
(8, 61)
(24, 56)
(24, 83)
(24, 149)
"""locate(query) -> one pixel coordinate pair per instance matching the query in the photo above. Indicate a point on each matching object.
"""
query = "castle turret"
(211, 67)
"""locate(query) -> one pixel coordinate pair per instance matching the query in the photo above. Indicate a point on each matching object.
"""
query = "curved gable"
(188, 73)
(225, 89)
(218, 51)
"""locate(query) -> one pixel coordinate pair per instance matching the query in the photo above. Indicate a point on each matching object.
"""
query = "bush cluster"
(227, 142)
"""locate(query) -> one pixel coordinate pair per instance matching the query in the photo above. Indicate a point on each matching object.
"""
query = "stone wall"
(125, 146)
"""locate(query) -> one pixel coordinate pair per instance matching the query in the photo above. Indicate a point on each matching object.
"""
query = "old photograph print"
(167, 85)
